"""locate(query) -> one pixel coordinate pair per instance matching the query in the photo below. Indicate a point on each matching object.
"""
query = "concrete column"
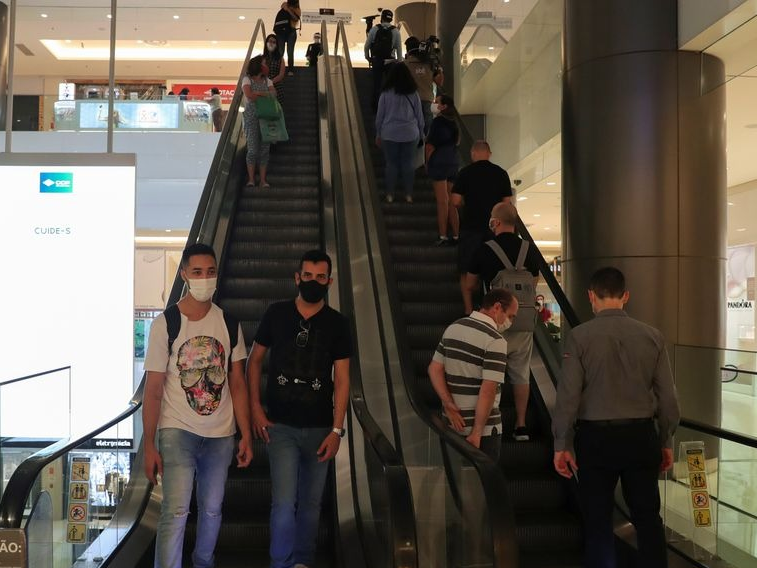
(419, 19)
(451, 16)
(644, 180)
(4, 31)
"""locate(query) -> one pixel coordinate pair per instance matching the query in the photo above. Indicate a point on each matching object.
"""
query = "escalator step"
(524, 457)
(443, 291)
(256, 267)
(253, 535)
(431, 271)
(258, 287)
(291, 192)
(559, 530)
(284, 178)
(248, 308)
(432, 313)
(293, 250)
(273, 203)
(536, 491)
(421, 255)
(425, 336)
(275, 234)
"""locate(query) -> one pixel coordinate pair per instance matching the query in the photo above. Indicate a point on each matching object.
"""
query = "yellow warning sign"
(77, 512)
(76, 533)
(700, 499)
(695, 460)
(702, 518)
(78, 491)
(698, 480)
(79, 469)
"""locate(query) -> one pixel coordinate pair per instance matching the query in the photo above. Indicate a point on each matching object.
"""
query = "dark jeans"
(287, 40)
(630, 453)
(399, 165)
(492, 446)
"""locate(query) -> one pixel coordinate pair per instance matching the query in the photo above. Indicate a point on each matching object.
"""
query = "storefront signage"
(324, 15)
(12, 548)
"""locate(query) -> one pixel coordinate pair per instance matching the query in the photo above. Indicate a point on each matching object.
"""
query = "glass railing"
(21, 437)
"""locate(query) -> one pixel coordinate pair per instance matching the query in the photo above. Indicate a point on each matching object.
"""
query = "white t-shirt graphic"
(196, 396)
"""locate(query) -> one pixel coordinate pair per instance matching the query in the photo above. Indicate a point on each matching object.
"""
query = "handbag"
(273, 130)
(267, 108)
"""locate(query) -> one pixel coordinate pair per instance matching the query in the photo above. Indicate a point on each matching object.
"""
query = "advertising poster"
(201, 91)
(68, 224)
(740, 300)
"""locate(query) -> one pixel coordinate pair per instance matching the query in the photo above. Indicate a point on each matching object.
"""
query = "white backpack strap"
(521, 262)
(494, 245)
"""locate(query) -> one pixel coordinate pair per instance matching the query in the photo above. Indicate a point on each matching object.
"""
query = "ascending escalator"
(546, 522)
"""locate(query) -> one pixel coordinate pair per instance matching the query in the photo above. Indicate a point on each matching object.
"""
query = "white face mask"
(202, 289)
(505, 325)
(435, 109)
(271, 46)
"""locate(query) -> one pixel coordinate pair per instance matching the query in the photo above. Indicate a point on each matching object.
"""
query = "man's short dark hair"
(194, 250)
(412, 43)
(315, 256)
(608, 282)
(497, 296)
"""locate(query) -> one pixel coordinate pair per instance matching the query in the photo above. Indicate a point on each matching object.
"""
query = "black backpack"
(173, 324)
(281, 24)
(383, 42)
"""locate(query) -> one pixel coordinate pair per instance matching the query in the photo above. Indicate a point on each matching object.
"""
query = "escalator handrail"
(493, 483)
(401, 509)
(717, 432)
(22, 480)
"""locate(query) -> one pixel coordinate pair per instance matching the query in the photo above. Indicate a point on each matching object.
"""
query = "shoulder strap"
(232, 326)
(494, 245)
(520, 264)
(173, 324)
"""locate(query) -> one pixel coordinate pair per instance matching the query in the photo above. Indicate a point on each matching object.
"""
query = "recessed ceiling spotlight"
(730, 203)
(43, 15)
(140, 41)
(547, 228)
(491, 48)
(215, 41)
(242, 17)
(68, 41)
(109, 16)
(537, 214)
(551, 183)
(741, 230)
(523, 198)
(175, 16)
(168, 230)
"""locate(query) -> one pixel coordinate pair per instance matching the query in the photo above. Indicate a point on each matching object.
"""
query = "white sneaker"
(300, 566)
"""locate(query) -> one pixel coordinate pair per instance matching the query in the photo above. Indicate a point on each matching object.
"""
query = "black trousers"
(377, 66)
(632, 454)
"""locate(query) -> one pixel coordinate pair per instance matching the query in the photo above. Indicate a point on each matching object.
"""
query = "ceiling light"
(491, 48)
(43, 15)
(242, 17)
(547, 228)
(175, 16)
(140, 41)
(522, 198)
(214, 41)
(551, 183)
(109, 16)
(741, 230)
(537, 214)
(167, 230)
(68, 41)
(730, 203)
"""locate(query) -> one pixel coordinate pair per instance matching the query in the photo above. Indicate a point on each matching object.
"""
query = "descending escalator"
(546, 522)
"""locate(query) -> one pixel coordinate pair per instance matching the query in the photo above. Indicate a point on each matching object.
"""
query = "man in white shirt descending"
(195, 390)
(468, 369)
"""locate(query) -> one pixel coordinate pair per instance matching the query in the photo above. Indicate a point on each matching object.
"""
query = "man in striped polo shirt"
(468, 369)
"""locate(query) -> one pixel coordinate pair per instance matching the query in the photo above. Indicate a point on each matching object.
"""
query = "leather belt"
(618, 422)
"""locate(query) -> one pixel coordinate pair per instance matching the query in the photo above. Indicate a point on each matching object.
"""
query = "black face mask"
(312, 292)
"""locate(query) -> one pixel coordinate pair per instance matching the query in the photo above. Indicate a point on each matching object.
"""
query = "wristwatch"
(339, 432)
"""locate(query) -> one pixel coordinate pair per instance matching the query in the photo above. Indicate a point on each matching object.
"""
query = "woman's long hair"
(400, 79)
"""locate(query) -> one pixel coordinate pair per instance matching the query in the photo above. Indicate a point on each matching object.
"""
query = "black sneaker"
(521, 434)
(442, 242)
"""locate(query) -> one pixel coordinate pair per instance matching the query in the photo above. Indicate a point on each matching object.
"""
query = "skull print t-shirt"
(196, 394)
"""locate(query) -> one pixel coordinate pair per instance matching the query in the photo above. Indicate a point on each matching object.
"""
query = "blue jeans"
(287, 40)
(186, 455)
(399, 164)
(297, 482)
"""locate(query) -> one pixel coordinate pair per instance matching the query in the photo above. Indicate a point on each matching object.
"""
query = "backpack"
(173, 324)
(519, 282)
(383, 42)
(281, 25)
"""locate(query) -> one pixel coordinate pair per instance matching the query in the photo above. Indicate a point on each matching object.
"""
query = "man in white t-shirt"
(195, 389)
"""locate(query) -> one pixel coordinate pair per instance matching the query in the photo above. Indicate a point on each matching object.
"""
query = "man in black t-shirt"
(485, 265)
(478, 187)
(306, 408)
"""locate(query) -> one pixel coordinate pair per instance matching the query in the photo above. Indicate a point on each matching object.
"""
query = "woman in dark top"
(275, 62)
(442, 164)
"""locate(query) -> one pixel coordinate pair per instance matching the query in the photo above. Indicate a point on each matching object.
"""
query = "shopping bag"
(272, 131)
(267, 107)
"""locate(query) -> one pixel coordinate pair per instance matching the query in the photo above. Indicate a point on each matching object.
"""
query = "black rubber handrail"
(493, 483)
(22, 481)
(34, 375)
(402, 528)
(721, 433)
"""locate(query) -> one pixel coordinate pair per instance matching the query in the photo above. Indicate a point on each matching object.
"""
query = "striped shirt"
(472, 351)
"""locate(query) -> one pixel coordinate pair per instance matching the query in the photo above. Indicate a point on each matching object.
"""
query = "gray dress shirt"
(615, 367)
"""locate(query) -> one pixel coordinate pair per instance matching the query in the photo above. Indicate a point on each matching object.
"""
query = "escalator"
(259, 235)
(429, 295)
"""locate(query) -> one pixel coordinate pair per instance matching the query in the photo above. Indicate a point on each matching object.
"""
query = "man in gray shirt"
(616, 380)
